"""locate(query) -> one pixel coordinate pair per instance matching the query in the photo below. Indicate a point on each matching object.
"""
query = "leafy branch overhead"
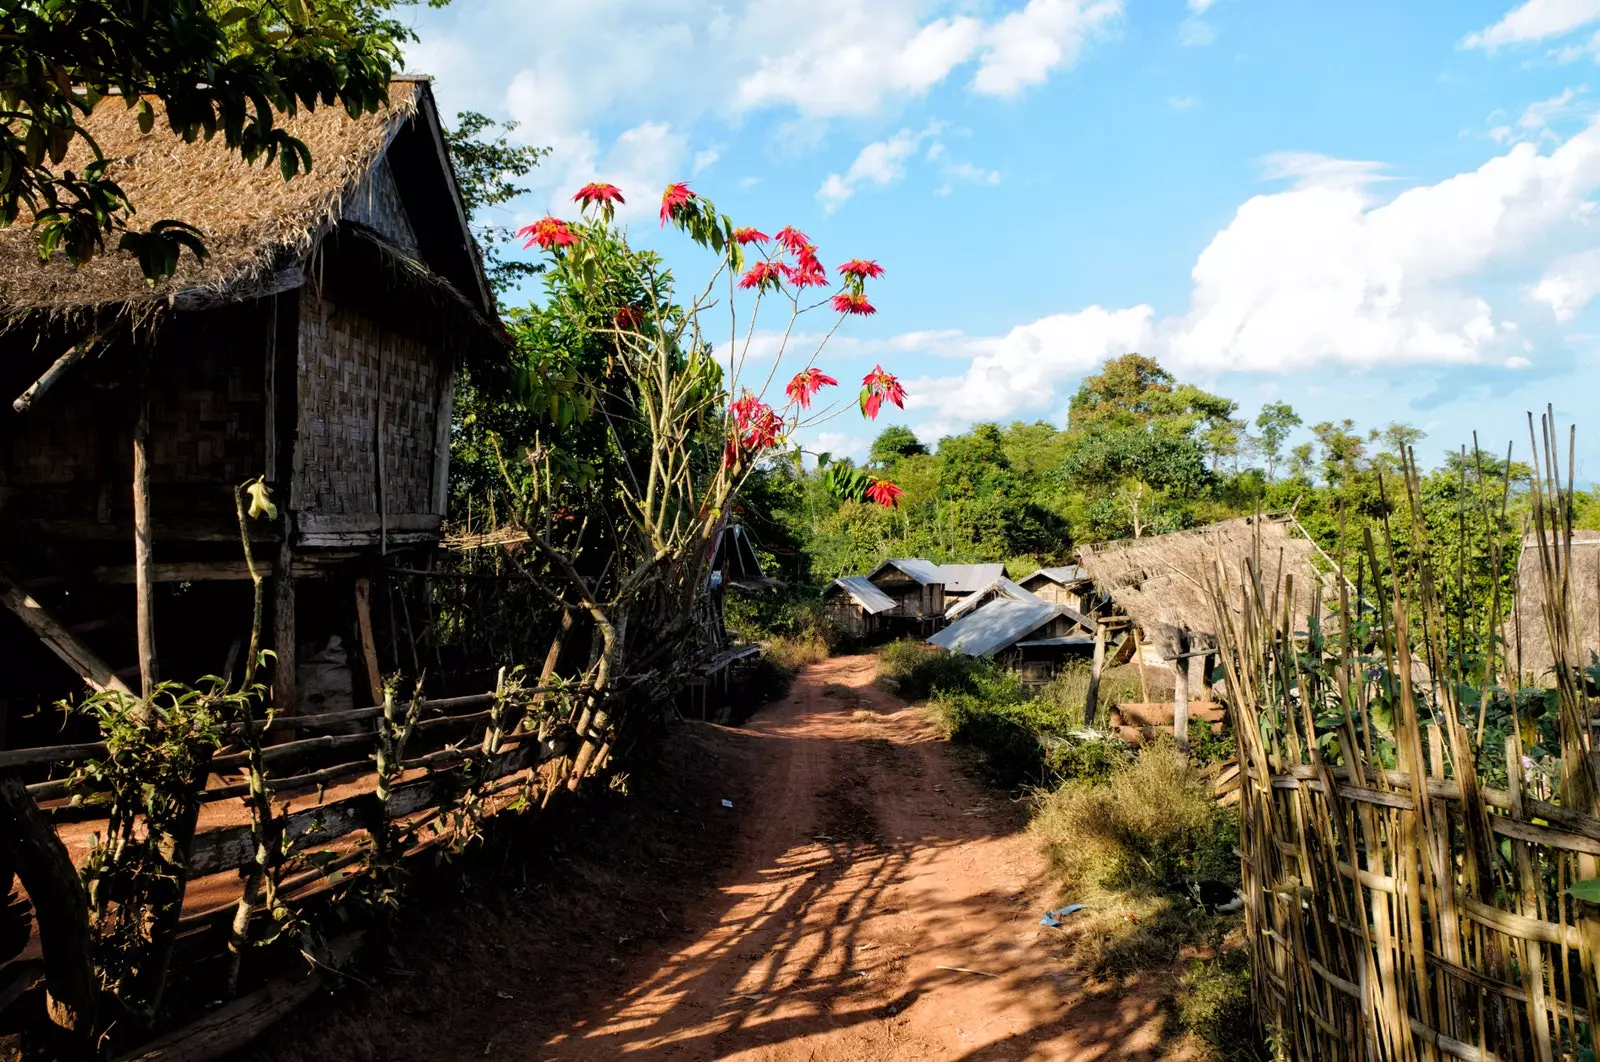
(204, 69)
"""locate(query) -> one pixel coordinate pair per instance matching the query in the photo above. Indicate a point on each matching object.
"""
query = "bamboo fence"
(1397, 906)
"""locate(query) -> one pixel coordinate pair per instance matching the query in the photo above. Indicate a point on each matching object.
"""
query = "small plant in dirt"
(1213, 1003)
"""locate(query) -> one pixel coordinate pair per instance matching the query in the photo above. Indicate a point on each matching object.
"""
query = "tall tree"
(215, 69)
(1275, 423)
(893, 443)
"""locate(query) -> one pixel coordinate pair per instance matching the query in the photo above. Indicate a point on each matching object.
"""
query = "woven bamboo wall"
(206, 423)
(376, 204)
(356, 373)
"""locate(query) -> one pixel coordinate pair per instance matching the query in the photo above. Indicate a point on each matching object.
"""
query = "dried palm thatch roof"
(1161, 581)
(1527, 637)
(253, 221)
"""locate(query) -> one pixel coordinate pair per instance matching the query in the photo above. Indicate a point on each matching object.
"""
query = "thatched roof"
(1527, 628)
(1161, 581)
(253, 221)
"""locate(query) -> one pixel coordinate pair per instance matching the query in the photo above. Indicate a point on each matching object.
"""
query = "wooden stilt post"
(143, 559)
(285, 685)
(369, 646)
(1180, 693)
(1091, 700)
(1138, 658)
(1199, 687)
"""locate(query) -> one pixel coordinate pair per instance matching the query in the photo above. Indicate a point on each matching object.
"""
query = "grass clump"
(914, 670)
(1213, 1003)
(1150, 827)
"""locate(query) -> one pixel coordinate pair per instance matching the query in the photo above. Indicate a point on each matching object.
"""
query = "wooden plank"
(345, 523)
(369, 646)
(94, 671)
(285, 683)
(233, 1026)
(441, 442)
(1091, 700)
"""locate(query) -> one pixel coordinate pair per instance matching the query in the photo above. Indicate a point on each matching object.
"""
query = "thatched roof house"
(1161, 581)
(316, 345)
(1527, 638)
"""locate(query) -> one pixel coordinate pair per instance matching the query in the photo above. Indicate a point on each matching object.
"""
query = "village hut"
(1159, 588)
(963, 580)
(316, 345)
(1067, 585)
(917, 588)
(856, 606)
(999, 588)
(1527, 637)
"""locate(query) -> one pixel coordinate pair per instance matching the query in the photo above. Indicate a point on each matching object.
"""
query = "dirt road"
(879, 904)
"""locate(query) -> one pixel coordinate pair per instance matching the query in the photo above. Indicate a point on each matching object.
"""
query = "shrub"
(914, 670)
(1213, 1003)
(1151, 827)
(793, 652)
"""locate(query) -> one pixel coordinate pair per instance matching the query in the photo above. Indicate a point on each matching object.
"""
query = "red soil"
(818, 919)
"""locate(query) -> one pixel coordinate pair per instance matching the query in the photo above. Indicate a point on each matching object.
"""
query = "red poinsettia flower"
(802, 277)
(877, 386)
(793, 240)
(629, 317)
(596, 192)
(884, 493)
(548, 232)
(673, 201)
(764, 430)
(807, 383)
(750, 235)
(760, 275)
(745, 409)
(861, 268)
(847, 302)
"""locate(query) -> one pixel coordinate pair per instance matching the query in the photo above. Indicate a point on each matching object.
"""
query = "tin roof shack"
(1031, 636)
(963, 580)
(917, 589)
(1001, 588)
(1068, 585)
(857, 606)
(1159, 584)
(1527, 637)
(316, 345)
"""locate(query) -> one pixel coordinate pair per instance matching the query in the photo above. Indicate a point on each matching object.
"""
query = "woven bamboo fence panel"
(1397, 905)
(366, 391)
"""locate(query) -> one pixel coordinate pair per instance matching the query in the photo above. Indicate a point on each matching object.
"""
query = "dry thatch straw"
(1528, 636)
(1162, 581)
(252, 220)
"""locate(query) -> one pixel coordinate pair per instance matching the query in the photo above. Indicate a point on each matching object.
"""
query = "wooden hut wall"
(69, 457)
(911, 599)
(377, 205)
(365, 388)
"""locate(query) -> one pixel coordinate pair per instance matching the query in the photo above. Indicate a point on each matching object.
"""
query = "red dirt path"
(864, 863)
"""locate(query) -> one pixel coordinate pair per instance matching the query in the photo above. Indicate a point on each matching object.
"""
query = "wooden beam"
(75, 353)
(1180, 699)
(441, 441)
(369, 645)
(94, 671)
(144, 587)
(1091, 700)
(285, 686)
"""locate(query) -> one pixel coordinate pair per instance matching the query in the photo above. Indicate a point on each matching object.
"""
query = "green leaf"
(1588, 890)
(147, 116)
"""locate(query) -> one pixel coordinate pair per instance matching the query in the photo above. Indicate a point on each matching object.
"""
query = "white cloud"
(965, 173)
(882, 163)
(1024, 47)
(837, 444)
(1200, 7)
(1180, 103)
(704, 160)
(1535, 120)
(1326, 272)
(1196, 33)
(1536, 20)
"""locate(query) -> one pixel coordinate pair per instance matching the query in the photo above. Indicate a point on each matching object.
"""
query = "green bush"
(1152, 827)
(914, 670)
(1213, 1003)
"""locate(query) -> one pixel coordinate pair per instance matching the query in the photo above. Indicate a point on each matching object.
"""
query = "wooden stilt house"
(316, 346)
(917, 588)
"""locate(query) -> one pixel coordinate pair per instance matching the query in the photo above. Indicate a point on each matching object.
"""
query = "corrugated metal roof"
(1066, 575)
(1071, 639)
(925, 572)
(995, 626)
(1002, 586)
(861, 590)
(967, 578)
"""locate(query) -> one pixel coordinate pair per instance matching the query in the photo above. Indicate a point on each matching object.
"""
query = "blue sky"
(1376, 210)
